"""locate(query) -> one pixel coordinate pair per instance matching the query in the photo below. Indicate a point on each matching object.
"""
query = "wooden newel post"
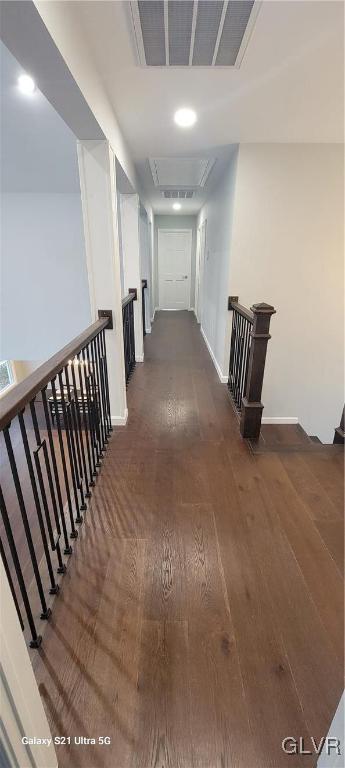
(252, 407)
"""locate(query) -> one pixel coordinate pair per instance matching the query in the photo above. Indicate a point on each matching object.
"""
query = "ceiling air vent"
(179, 194)
(187, 33)
(180, 172)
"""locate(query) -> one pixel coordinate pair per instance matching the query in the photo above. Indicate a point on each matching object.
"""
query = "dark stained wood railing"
(54, 429)
(249, 338)
(339, 432)
(128, 332)
(143, 286)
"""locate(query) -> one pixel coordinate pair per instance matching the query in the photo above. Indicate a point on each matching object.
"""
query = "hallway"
(200, 619)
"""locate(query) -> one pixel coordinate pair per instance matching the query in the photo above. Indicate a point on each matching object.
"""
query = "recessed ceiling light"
(177, 206)
(185, 117)
(26, 84)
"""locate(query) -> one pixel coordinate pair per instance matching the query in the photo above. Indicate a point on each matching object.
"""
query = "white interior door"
(174, 268)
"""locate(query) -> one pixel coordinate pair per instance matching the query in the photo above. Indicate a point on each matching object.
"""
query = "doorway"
(174, 268)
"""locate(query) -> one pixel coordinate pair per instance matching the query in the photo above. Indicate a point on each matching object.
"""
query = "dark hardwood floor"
(201, 618)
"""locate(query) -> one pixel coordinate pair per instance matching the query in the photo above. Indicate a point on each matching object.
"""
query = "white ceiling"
(289, 87)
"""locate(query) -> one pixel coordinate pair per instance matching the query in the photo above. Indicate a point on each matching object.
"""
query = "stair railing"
(249, 338)
(128, 332)
(143, 287)
(54, 429)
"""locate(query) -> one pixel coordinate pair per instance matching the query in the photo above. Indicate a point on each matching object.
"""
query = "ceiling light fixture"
(26, 84)
(185, 117)
(177, 206)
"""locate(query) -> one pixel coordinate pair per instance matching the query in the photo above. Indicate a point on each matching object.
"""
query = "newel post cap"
(263, 309)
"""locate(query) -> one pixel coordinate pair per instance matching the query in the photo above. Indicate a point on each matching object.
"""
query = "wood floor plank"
(318, 568)
(220, 729)
(329, 471)
(309, 489)
(316, 673)
(263, 660)
(332, 533)
(208, 416)
(164, 736)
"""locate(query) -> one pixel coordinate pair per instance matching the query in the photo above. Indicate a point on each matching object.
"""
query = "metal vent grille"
(180, 172)
(180, 17)
(151, 13)
(235, 22)
(178, 194)
(199, 33)
(206, 32)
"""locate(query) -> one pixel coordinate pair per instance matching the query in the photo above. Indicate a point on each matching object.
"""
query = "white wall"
(146, 263)
(215, 318)
(174, 222)
(287, 250)
(129, 207)
(44, 287)
(99, 199)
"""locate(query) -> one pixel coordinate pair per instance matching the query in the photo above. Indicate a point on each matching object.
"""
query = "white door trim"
(174, 231)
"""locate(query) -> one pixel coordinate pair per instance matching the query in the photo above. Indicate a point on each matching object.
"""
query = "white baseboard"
(221, 375)
(279, 420)
(120, 421)
(139, 358)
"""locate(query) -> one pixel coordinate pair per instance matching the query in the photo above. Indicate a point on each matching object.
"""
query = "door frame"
(173, 231)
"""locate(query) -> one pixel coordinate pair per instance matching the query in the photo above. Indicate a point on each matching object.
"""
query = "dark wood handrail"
(131, 297)
(236, 307)
(21, 394)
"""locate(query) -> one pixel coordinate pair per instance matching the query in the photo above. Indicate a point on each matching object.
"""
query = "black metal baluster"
(83, 395)
(143, 308)
(239, 361)
(86, 375)
(232, 350)
(74, 435)
(74, 532)
(235, 356)
(54, 587)
(79, 428)
(132, 335)
(68, 548)
(99, 395)
(36, 639)
(125, 341)
(10, 581)
(42, 444)
(244, 366)
(102, 383)
(247, 360)
(45, 610)
(110, 428)
(94, 400)
(244, 330)
(71, 448)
